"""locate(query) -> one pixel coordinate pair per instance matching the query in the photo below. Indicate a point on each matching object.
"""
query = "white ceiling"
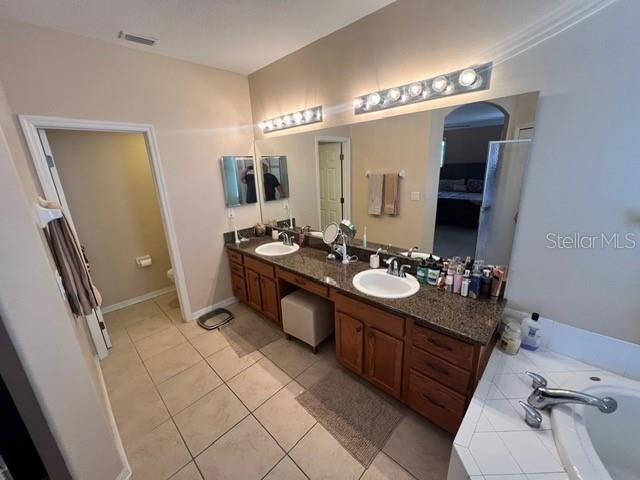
(237, 35)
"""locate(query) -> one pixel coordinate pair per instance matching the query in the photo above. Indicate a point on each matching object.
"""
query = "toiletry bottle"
(464, 288)
(449, 278)
(476, 280)
(423, 271)
(498, 281)
(433, 271)
(364, 238)
(457, 278)
(531, 332)
(485, 285)
(442, 278)
(511, 338)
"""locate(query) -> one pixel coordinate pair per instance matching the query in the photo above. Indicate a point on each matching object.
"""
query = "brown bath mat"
(249, 332)
(360, 418)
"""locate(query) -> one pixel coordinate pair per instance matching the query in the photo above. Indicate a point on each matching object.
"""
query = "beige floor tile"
(246, 452)
(182, 390)
(420, 447)
(139, 414)
(258, 382)
(119, 362)
(189, 329)
(114, 322)
(159, 342)
(168, 301)
(319, 455)
(271, 347)
(384, 468)
(285, 470)
(209, 418)
(175, 315)
(211, 342)
(148, 326)
(139, 311)
(284, 417)
(158, 454)
(227, 363)
(315, 373)
(171, 362)
(239, 308)
(293, 357)
(128, 384)
(119, 338)
(190, 472)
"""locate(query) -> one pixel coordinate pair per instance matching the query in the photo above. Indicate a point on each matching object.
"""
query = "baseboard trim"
(221, 304)
(125, 473)
(134, 300)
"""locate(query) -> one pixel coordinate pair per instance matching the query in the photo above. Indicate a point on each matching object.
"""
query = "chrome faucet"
(411, 250)
(402, 273)
(392, 266)
(287, 240)
(544, 397)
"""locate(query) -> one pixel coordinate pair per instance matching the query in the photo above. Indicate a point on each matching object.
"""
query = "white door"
(330, 168)
(95, 322)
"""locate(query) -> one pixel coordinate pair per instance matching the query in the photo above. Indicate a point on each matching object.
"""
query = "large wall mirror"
(462, 167)
(238, 180)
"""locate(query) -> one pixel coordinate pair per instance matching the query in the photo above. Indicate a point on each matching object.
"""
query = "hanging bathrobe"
(82, 295)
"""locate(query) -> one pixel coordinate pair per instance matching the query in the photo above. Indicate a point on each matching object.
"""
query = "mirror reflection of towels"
(376, 188)
(391, 193)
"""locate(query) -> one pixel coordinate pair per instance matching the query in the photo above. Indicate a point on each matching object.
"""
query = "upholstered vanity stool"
(307, 317)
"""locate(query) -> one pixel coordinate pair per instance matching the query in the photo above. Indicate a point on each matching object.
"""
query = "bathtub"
(597, 446)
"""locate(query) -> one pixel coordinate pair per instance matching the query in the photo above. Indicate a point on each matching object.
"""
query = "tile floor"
(188, 407)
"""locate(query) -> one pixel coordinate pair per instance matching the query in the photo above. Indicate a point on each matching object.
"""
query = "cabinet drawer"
(373, 317)
(438, 403)
(440, 370)
(236, 269)
(304, 283)
(452, 350)
(259, 267)
(234, 256)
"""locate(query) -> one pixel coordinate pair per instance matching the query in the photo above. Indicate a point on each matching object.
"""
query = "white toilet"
(171, 276)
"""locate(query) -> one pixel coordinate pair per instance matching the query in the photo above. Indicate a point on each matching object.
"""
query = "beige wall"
(198, 113)
(109, 187)
(582, 175)
(51, 344)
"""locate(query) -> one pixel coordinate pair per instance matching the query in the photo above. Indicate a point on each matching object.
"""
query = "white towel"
(376, 188)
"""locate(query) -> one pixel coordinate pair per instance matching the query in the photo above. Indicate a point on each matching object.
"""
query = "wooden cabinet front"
(270, 302)
(254, 297)
(349, 342)
(383, 361)
(239, 287)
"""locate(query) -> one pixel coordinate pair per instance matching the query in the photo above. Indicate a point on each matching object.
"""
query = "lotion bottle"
(531, 332)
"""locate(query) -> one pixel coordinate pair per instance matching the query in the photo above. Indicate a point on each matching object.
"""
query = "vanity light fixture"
(471, 79)
(295, 119)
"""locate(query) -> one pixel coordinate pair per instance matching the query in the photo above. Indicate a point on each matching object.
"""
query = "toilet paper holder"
(144, 261)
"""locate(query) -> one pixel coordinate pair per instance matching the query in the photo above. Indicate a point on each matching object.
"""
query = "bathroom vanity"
(427, 350)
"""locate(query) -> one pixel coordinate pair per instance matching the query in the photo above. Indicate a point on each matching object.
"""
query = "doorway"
(333, 157)
(70, 186)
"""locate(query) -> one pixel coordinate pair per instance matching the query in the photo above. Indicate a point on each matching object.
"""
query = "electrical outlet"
(415, 196)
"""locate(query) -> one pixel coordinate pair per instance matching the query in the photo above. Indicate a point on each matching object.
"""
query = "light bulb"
(449, 90)
(415, 89)
(262, 125)
(467, 77)
(439, 83)
(286, 119)
(394, 94)
(318, 114)
(268, 124)
(297, 117)
(404, 98)
(278, 122)
(373, 99)
(426, 93)
(358, 102)
(308, 115)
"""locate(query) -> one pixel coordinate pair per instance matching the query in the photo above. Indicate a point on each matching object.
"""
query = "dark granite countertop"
(471, 320)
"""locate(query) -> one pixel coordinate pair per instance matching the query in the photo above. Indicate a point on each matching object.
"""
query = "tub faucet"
(544, 397)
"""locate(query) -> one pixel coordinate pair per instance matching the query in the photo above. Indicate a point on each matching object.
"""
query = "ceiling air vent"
(132, 37)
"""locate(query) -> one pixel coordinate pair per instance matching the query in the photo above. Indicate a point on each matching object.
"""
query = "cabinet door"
(383, 361)
(269, 294)
(253, 290)
(349, 342)
(239, 287)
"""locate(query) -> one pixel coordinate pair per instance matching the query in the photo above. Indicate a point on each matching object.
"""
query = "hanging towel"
(82, 295)
(376, 189)
(391, 193)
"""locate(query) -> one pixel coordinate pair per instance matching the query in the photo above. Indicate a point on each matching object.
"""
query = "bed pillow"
(459, 188)
(475, 185)
(447, 185)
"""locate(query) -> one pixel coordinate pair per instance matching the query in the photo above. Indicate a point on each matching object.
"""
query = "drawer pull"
(438, 344)
(436, 368)
(432, 401)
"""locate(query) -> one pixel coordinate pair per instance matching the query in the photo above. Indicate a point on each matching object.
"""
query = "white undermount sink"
(276, 249)
(379, 283)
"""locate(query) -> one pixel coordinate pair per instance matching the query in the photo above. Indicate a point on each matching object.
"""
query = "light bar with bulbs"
(469, 79)
(295, 119)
